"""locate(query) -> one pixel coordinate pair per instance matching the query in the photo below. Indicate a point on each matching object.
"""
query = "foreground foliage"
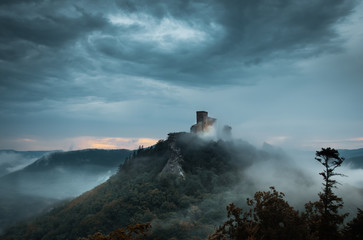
(354, 229)
(131, 232)
(270, 217)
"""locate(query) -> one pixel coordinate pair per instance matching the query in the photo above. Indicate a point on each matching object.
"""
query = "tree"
(323, 217)
(354, 228)
(270, 217)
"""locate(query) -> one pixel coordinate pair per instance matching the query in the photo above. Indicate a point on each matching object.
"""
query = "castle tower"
(203, 122)
(201, 116)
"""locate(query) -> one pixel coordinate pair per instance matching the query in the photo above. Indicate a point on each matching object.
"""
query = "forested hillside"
(181, 186)
(182, 208)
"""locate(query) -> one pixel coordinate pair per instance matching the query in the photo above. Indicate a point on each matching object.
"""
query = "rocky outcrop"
(173, 165)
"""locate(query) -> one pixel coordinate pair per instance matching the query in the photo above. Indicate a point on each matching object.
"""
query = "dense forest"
(140, 202)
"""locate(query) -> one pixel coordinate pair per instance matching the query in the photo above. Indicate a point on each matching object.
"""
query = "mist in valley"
(51, 179)
(11, 161)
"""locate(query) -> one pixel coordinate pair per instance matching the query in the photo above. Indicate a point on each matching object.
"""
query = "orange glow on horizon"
(103, 146)
(27, 140)
(112, 143)
(357, 139)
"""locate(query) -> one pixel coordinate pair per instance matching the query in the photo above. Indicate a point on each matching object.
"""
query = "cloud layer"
(75, 68)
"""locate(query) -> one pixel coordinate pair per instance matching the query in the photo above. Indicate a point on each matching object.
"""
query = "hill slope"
(52, 178)
(11, 160)
(150, 188)
(65, 174)
(354, 157)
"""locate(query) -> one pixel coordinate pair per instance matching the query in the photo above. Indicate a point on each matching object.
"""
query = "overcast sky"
(118, 74)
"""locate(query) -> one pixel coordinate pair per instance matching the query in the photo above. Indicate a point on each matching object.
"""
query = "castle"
(203, 122)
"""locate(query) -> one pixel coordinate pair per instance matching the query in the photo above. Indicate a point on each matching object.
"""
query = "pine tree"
(323, 216)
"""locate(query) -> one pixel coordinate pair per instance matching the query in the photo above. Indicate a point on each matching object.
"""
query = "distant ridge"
(353, 157)
(54, 177)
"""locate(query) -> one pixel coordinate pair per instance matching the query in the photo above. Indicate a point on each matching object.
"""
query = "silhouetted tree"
(354, 229)
(322, 216)
(270, 217)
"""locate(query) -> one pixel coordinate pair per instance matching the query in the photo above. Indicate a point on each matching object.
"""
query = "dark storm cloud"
(32, 25)
(251, 32)
(65, 49)
(48, 30)
(37, 43)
